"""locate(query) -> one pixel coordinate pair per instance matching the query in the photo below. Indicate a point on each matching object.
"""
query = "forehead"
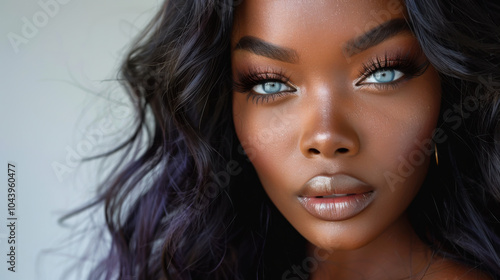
(286, 20)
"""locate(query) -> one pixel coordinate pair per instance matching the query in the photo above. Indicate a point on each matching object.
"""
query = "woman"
(311, 140)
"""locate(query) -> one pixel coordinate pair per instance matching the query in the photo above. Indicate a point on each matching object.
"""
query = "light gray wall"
(54, 61)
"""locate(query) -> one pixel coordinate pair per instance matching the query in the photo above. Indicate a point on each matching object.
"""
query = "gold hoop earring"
(436, 153)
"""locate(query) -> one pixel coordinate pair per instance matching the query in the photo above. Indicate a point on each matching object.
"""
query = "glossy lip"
(335, 198)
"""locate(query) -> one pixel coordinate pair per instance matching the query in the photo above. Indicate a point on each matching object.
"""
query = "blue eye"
(384, 76)
(270, 87)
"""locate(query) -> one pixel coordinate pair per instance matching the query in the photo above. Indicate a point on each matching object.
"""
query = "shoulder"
(445, 269)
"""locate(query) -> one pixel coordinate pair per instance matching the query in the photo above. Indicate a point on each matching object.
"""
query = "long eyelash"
(246, 82)
(408, 64)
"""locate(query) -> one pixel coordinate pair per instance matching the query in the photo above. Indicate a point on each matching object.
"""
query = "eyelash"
(407, 64)
(246, 83)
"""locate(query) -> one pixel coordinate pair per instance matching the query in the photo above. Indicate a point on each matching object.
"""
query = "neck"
(397, 253)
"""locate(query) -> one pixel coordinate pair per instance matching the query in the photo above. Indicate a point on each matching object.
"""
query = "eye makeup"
(381, 72)
(408, 64)
(253, 77)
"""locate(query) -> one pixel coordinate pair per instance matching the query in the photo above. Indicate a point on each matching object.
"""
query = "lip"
(335, 198)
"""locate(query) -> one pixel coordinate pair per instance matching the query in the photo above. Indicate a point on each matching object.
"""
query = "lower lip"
(337, 208)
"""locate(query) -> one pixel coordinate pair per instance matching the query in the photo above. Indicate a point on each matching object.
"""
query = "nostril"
(314, 151)
(342, 150)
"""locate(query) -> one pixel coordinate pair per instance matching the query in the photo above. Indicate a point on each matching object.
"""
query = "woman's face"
(335, 105)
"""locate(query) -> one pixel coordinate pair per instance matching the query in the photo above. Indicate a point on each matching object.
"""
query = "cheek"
(406, 140)
(269, 137)
(262, 131)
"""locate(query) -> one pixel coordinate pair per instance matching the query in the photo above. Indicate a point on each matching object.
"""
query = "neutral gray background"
(54, 109)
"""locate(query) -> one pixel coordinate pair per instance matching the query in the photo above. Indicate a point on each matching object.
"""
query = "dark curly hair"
(190, 206)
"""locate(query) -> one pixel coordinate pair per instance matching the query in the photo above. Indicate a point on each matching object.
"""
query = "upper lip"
(335, 184)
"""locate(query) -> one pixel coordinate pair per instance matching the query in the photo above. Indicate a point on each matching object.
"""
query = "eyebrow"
(375, 36)
(261, 47)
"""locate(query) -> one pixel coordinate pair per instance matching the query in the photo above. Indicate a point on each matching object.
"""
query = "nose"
(329, 129)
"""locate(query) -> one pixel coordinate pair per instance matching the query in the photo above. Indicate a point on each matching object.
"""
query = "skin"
(331, 122)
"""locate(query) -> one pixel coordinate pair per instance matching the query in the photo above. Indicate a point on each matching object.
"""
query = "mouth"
(335, 198)
(334, 195)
